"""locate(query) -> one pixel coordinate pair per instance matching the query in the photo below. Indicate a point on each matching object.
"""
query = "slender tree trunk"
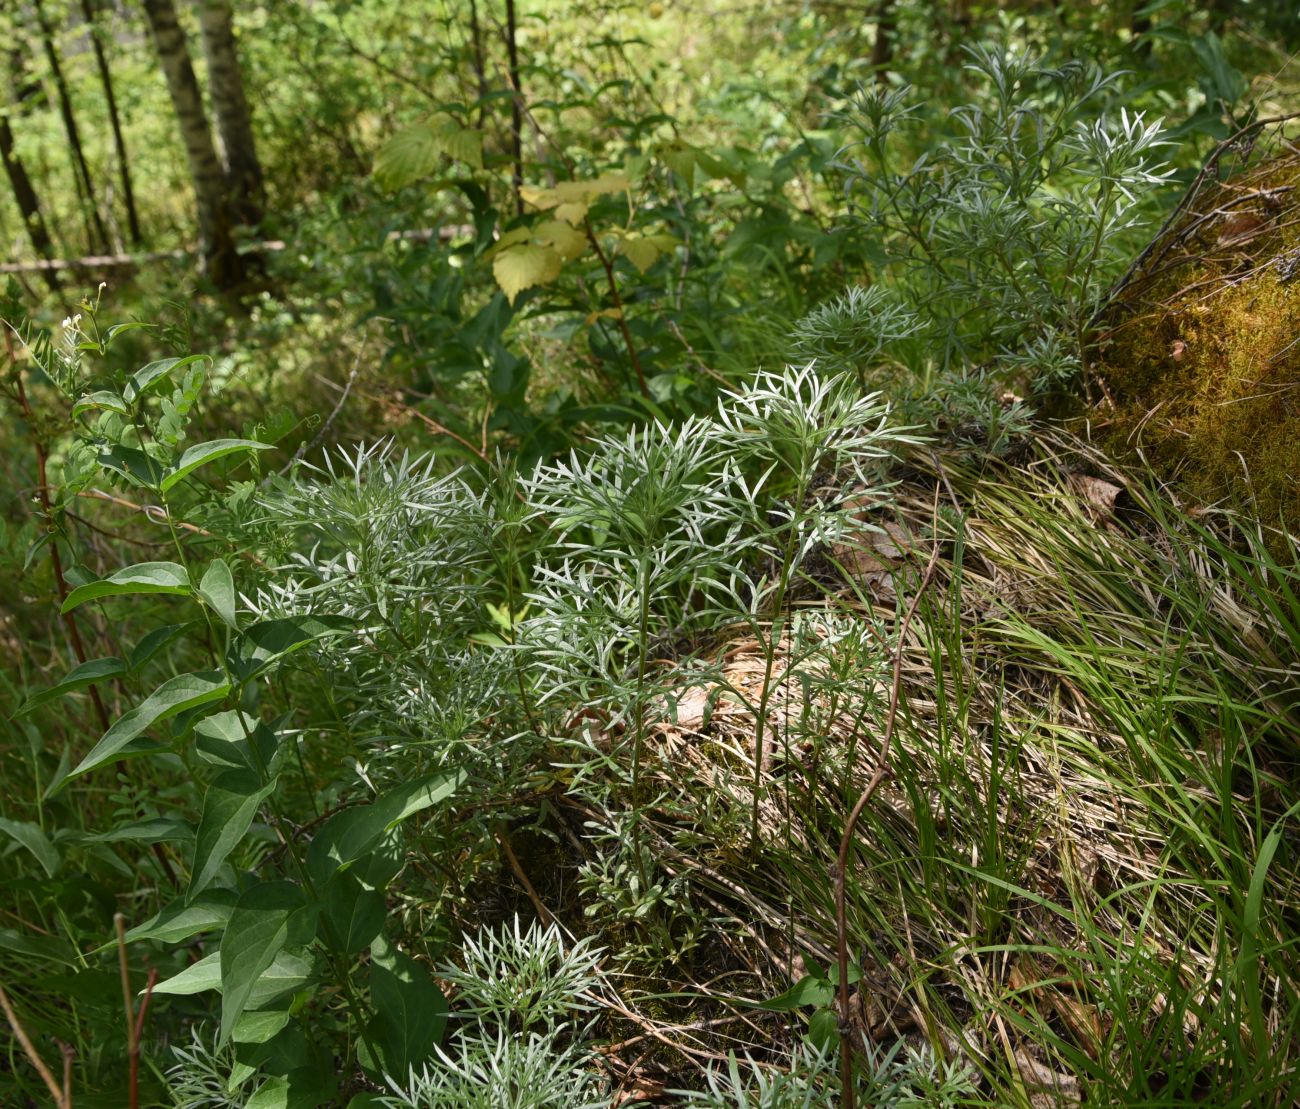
(480, 71)
(516, 104)
(96, 232)
(25, 197)
(222, 262)
(88, 9)
(244, 181)
(883, 50)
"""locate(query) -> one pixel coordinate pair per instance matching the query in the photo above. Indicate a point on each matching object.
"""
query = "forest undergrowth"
(602, 618)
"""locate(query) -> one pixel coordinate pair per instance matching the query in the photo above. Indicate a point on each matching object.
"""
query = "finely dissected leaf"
(218, 589)
(179, 921)
(255, 934)
(176, 695)
(88, 673)
(287, 972)
(411, 1010)
(143, 577)
(35, 840)
(522, 266)
(571, 200)
(265, 642)
(348, 835)
(152, 377)
(415, 151)
(229, 805)
(202, 453)
(101, 399)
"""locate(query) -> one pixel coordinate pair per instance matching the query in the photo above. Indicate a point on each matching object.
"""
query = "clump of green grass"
(1078, 882)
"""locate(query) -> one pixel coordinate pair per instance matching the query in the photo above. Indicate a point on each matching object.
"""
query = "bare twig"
(61, 1100)
(543, 913)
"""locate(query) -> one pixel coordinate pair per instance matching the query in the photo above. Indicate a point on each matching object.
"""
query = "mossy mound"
(1199, 361)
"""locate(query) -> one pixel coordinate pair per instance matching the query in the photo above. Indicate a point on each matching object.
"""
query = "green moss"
(1200, 355)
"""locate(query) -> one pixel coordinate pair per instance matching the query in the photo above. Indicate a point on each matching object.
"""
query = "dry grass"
(1063, 882)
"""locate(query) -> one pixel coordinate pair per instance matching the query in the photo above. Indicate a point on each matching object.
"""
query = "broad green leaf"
(102, 399)
(824, 1030)
(35, 840)
(411, 1010)
(287, 972)
(79, 677)
(254, 936)
(415, 151)
(150, 378)
(143, 577)
(218, 590)
(179, 921)
(809, 990)
(269, 640)
(202, 453)
(44, 948)
(133, 464)
(176, 695)
(158, 830)
(155, 641)
(354, 914)
(229, 806)
(271, 1094)
(257, 1028)
(348, 835)
(522, 266)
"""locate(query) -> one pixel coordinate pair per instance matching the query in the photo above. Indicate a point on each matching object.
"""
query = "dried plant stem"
(848, 1095)
(62, 1099)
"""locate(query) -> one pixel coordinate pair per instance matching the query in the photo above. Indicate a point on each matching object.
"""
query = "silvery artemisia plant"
(520, 1046)
(1006, 233)
(401, 550)
(818, 448)
(647, 536)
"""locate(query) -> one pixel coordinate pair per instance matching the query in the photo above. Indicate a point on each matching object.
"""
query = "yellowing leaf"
(644, 250)
(568, 242)
(524, 265)
(571, 199)
(414, 151)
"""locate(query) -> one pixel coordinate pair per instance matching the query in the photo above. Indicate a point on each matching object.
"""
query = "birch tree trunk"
(234, 125)
(89, 10)
(222, 262)
(95, 229)
(25, 197)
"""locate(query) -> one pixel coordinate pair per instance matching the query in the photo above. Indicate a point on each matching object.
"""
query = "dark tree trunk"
(222, 261)
(96, 232)
(882, 52)
(26, 199)
(516, 104)
(244, 183)
(88, 8)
